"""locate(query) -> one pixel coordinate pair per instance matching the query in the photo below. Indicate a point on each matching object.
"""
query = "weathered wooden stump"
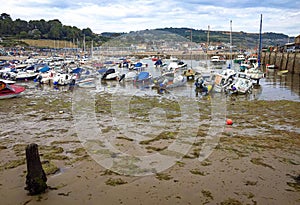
(36, 177)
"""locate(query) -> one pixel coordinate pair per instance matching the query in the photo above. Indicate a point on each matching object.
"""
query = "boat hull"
(11, 92)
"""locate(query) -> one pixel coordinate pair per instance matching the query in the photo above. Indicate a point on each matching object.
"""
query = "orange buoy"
(229, 122)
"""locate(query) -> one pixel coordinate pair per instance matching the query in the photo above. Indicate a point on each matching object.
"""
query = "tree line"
(41, 29)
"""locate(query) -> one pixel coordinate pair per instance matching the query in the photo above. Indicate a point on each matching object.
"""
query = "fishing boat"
(223, 80)
(10, 90)
(242, 84)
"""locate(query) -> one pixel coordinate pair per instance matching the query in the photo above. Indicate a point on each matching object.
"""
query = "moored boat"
(223, 80)
(10, 90)
(189, 73)
(239, 59)
(86, 83)
(242, 84)
(63, 79)
(217, 60)
(143, 76)
(176, 64)
(111, 74)
(25, 75)
(129, 76)
(255, 73)
(272, 66)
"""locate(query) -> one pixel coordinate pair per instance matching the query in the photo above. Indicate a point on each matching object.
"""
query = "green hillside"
(11, 31)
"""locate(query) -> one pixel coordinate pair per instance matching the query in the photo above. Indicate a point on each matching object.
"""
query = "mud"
(256, 160)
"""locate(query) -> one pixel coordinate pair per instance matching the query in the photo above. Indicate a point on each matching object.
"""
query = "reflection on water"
(279, 87)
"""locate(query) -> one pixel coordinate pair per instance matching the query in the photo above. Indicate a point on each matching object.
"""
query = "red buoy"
(229, 122)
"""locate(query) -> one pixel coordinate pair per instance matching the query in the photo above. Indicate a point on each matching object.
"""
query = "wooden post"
(293, 68)
(275, 58)
(281, 60)
(287, 60)
(36, 177)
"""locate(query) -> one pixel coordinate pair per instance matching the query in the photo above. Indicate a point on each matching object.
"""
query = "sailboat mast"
(207, 38)
(230, 49)
(260, 42)
(207, 45)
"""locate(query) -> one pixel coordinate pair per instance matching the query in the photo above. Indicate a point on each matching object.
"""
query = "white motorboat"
(45, 78)
(63, 79)
(223, 80)
(217, 60)
(111, 74)
(255, 73)
(176, 64)
(129, 76)
(242, 84)
(25, 75)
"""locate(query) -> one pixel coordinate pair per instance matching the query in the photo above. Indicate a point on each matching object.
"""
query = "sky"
(279, 16)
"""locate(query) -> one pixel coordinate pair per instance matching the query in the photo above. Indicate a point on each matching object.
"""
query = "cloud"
(281, 16)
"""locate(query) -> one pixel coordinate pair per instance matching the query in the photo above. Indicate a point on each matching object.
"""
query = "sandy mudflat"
(255, 162)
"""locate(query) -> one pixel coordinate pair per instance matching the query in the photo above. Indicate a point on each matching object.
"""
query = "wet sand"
(255, 162)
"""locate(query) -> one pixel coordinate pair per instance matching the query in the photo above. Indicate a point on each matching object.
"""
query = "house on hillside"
(297, 42)
(294, 46)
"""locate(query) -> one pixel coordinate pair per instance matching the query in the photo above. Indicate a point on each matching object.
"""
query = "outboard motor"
(122, 77)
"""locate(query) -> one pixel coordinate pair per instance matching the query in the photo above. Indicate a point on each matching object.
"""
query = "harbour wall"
(284, 61)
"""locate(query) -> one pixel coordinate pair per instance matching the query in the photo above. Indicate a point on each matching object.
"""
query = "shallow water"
(272, 87)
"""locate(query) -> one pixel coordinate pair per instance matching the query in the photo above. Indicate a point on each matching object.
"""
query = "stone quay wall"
(284, 61)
